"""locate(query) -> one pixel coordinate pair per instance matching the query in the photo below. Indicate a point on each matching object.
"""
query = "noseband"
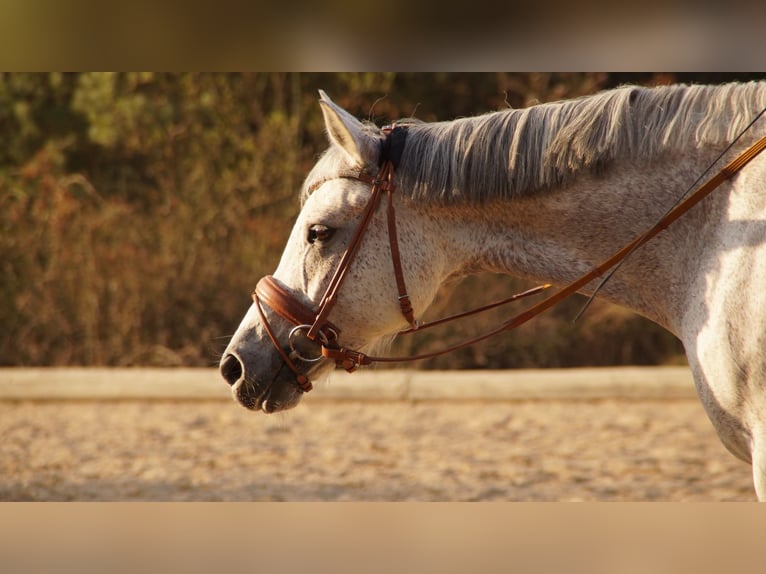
(319, 330)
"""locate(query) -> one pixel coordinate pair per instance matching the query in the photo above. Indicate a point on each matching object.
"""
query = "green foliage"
(137, 210)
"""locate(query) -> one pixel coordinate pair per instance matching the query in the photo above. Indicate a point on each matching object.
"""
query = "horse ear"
(347, 132)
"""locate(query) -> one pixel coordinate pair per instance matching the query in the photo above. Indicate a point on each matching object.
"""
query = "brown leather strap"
(384, 181)
(303, 382)
(379, 183)
(477, 310)
(405, 305)
(359, 174)
(284, 303)
(347, 358)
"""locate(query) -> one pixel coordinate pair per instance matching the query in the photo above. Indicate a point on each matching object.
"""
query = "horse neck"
(558, 235)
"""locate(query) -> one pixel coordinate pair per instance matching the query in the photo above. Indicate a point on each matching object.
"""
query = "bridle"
(315, 326)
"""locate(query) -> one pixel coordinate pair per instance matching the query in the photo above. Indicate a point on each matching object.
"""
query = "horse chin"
(279, 395)
(278, 392)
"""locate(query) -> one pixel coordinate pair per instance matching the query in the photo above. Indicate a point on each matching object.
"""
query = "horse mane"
(516, 152)
(512, 153)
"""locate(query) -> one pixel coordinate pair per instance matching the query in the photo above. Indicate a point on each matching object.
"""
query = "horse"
(546, 193)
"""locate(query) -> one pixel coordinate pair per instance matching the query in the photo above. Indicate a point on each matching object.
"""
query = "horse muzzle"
(270, 393)
(257, 374)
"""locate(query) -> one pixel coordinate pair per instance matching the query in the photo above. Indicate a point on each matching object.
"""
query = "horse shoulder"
(725, 326)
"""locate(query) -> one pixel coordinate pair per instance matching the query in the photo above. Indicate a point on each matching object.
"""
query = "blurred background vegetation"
(138, 210)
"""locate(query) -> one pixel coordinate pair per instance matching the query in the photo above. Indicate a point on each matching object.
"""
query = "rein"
(317, 329)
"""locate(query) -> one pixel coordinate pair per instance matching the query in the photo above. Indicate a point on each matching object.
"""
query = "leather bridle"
(315, 323)
(316, 327)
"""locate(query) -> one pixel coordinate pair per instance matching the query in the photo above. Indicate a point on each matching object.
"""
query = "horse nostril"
(231, 369)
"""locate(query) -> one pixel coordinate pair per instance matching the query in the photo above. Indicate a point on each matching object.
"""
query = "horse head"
(267, 362)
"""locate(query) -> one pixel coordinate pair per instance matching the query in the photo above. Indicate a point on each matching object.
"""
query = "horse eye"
(319, 233)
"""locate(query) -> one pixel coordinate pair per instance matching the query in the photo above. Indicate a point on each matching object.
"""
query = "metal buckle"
(323, 342)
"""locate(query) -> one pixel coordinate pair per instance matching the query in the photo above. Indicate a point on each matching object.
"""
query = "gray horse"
(546, 193)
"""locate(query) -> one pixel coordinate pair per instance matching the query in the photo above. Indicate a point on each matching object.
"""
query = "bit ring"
(295, 353)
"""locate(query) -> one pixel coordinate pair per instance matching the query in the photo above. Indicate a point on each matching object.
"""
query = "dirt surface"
(630, 450)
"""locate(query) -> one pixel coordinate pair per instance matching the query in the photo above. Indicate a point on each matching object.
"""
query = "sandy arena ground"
(548, 450)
